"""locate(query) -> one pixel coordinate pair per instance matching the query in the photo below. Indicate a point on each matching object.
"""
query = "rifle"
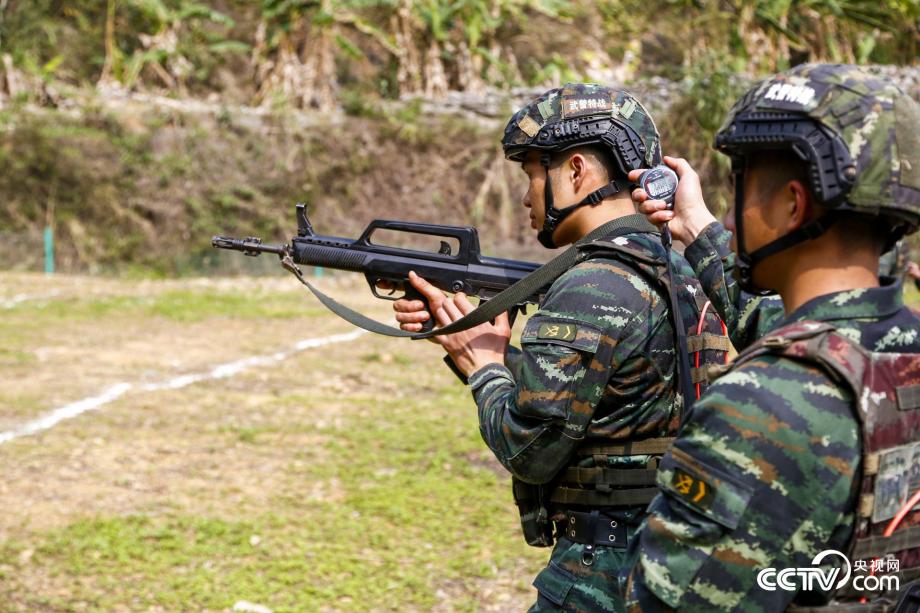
(466, 271)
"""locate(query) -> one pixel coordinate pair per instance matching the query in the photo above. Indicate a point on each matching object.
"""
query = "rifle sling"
(684, 373)
(508, 298)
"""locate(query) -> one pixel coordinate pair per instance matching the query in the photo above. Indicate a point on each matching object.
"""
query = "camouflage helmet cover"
(579, 114)
(874, 125)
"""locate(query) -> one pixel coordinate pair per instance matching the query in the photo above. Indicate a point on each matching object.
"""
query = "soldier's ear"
(577, 169)
(800, 207)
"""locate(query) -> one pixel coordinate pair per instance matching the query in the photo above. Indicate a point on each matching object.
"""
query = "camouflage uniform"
(893, 262)
(776, 444)
(524, 418)
(766, 471)
(597, 365)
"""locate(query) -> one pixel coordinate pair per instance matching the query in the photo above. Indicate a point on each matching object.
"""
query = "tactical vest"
(605, 485)
(886, 387)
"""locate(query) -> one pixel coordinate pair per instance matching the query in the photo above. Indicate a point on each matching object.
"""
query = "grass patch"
(15, 357)
(185, 306)
(417, 506)
(249, 435)
(15, 404)
(365, 484)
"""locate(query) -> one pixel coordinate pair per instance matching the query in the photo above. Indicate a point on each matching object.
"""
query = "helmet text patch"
(576, 106)
(786, 92)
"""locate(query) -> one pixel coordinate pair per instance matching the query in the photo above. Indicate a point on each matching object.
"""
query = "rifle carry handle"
(466, 236)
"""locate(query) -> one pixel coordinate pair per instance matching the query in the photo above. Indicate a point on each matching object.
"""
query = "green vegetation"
(179, 305)
(911, 295)
(305, 52)
(146, 191)
(138, 187)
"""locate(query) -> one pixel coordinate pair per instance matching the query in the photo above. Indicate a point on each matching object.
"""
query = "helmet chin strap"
(744, 268)
(553, 216)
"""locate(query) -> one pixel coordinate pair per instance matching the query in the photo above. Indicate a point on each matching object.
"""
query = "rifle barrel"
(249, 245)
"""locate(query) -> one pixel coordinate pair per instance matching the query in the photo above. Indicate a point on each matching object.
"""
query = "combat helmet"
(575, 115)
(858, 135)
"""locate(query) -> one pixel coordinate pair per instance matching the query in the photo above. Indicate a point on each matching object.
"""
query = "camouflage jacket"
(747, 316)
(765, 471)
(526, 418)
(893, 262)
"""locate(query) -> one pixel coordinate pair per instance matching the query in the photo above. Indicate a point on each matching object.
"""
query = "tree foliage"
(305, 52)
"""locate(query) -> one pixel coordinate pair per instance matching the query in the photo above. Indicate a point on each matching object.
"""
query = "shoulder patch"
(557, 331)
(708, 490)
(564, 331)
(693, 489)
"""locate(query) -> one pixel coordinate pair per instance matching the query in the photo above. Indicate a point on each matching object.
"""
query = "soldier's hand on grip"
(411, 314)
(470, 349)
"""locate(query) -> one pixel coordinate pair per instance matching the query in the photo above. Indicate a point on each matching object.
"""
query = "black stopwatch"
(660, 183)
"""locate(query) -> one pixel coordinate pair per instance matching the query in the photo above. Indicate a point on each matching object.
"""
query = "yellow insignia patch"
(529, 126)
(558, 332)
(693, 490)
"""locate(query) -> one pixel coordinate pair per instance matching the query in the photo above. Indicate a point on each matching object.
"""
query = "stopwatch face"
(660, 183)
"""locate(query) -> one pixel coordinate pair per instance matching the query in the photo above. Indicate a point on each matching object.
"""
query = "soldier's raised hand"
(476, 347)
(689, 216)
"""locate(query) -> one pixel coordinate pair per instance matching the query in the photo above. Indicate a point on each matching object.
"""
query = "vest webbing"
(880, 546)
(707, 340)
(883, 387)
(650, 446)
(565, 496)
(603, 486)
(609, 476)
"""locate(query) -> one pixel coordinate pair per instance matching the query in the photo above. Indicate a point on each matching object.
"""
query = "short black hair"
(777, 168)
(780, 166)
(602, 156)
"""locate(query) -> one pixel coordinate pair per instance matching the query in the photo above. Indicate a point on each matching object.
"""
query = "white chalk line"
(13, 301)
(113, 393)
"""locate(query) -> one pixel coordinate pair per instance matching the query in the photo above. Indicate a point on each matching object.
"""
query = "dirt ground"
(230, 449)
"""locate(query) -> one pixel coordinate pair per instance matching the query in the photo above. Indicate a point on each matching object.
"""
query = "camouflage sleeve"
(760, 477)
(747, 317)
(888, 263)
(533, 419)
(894, 262)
